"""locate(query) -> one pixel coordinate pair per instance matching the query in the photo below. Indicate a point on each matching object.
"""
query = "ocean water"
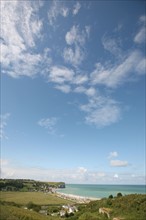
(101, 191)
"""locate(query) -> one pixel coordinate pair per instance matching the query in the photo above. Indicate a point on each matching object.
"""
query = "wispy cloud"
(57, 8)
(77, 175)
(89, 92)
(118, 163)
(3, 123)
(117, 74)
(101, 111)
(113, 154)
(80, 79)
(60, 74)
(76, 8)
(18, 39)
(74, 56)
(75, 38)
(111, 45)
(140, 37)
(49, 124)
(63, 88)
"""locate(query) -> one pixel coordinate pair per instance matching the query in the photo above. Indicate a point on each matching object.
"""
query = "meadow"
(38, 198)
(12, 205)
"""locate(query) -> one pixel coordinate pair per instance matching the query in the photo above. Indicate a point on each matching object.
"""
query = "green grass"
(129, 207)
(14, 213)
(38, 198)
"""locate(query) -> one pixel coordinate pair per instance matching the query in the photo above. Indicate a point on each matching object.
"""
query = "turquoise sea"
(100, 191)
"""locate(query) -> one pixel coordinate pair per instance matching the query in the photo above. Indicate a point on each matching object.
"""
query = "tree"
(110, 197)
(119, 194)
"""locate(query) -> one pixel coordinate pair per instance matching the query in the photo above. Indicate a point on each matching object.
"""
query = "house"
(67, 209)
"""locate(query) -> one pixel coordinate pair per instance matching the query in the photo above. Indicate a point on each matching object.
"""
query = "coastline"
(76, 198)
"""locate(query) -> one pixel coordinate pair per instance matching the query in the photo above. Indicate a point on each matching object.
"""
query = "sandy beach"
(76, 198)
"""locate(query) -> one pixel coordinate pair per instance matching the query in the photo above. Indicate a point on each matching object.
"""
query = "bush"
(119, 194)
(110, 197)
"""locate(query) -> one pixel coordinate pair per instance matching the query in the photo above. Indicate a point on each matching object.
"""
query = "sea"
(101, 191)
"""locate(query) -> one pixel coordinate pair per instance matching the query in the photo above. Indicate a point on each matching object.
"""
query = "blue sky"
(73, 91)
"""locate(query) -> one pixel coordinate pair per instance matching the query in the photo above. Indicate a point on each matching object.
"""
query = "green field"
(13, 203)
(38, 198)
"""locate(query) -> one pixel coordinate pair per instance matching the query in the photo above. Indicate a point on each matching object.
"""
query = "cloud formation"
(60, 74)
(113, 154)
(75, 38)
(49, 124)
(76, 175)
(118, 163)
(118, 73)
(76, 8)
(18, 39)
(140, 37)
(3, 123)
(101, 111)
(56, 9)
(20, 56)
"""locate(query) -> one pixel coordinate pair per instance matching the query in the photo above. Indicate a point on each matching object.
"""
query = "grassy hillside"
(38, 198)
(15, 213)
(129, 207)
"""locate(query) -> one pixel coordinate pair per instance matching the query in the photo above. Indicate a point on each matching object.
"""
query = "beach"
(76, 198)
(91, 191)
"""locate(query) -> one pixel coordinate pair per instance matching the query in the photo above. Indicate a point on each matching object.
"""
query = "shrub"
(119, 194)
(110, 197)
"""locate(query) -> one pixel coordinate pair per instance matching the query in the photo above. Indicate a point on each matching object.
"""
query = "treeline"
(11, 185)
(28, 185)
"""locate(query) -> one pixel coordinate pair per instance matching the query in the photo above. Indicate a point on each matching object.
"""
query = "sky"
(73, 91)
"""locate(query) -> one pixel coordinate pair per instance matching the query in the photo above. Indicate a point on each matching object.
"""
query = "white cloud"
(90, 92)
(140, 37)
(76, 175)
(101, 111)
(74, 56)
(63, 88)
(56, 9)
(76, 8)
(113, 154)
(116, 176)
(141, 67)
(19, 38)
(80, 79)
(112, 76)
(24, 33)
(3, 123)
(60, 74)
(112, 46)
(75, 38)
(49, 124)
(87, 91)
(118, 163)
(82, 170)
